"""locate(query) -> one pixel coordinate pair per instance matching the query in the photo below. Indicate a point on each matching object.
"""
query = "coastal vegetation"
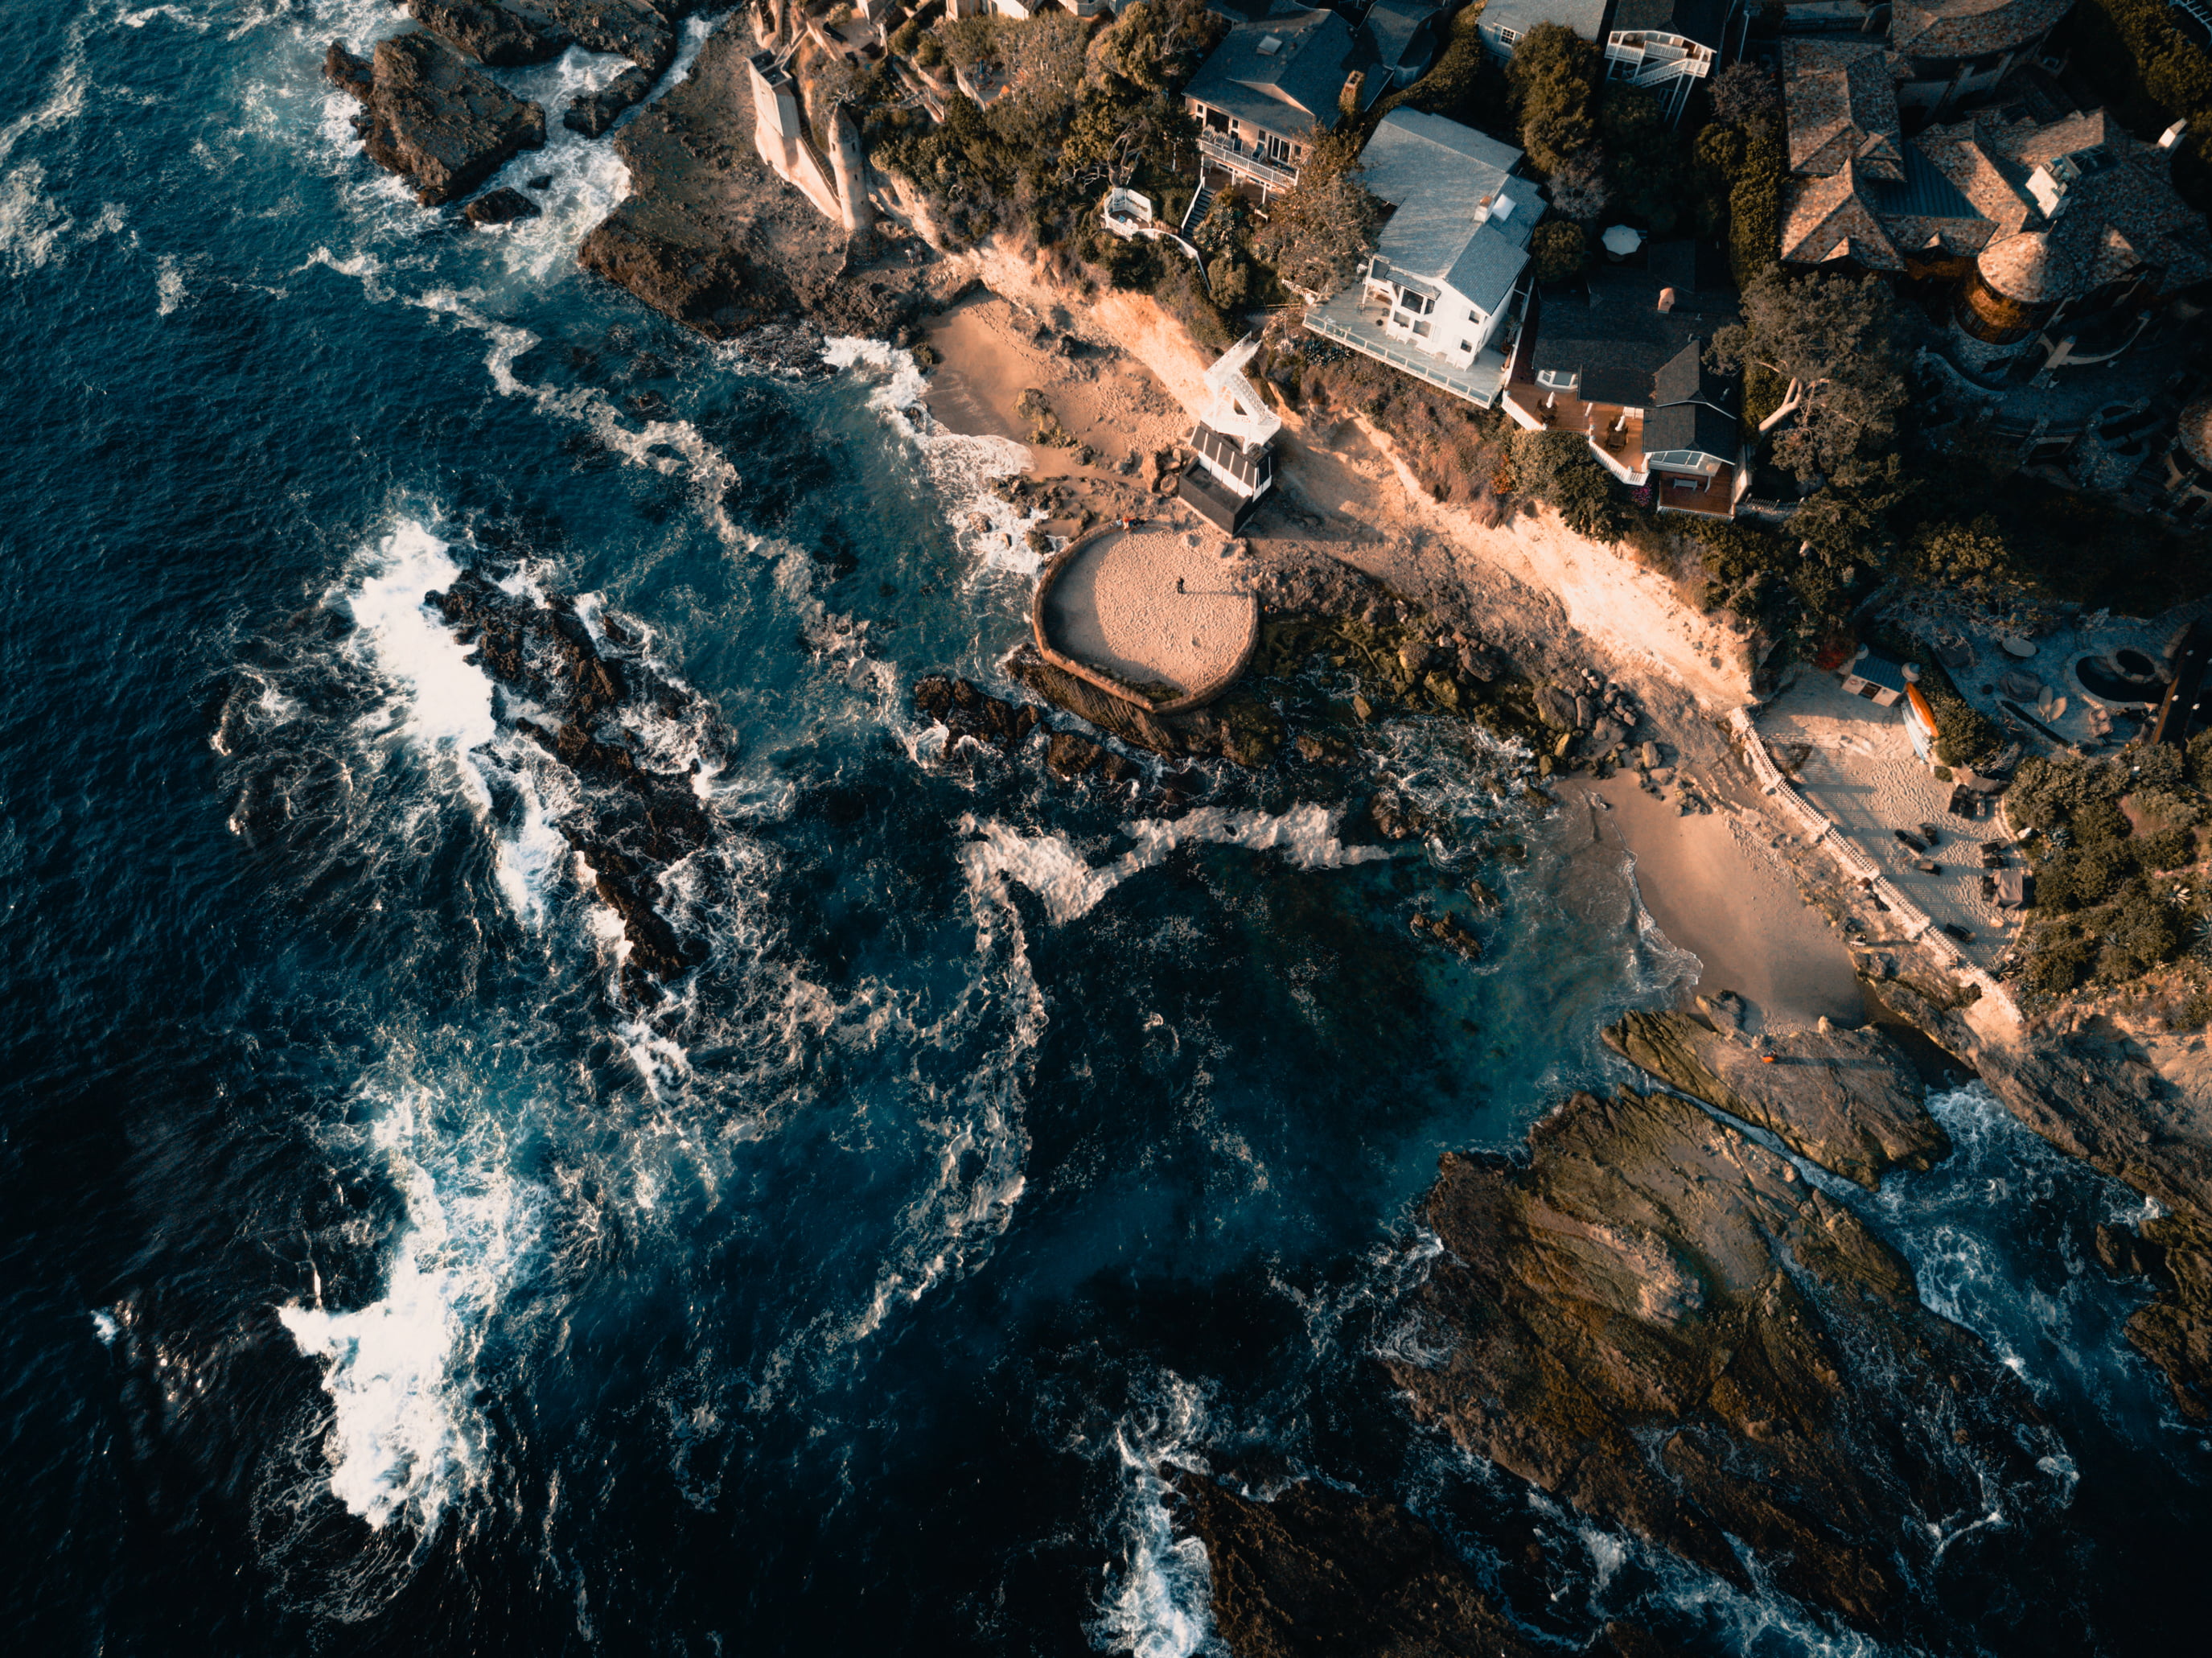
(2117, 843)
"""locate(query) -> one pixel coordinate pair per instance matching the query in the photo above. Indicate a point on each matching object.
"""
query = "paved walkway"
(1153, 606)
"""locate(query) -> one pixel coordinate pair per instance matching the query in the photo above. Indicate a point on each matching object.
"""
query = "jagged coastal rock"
(2088, 1094)
(593, 112)
(710, 237)
(504, 33)
(497, 207)
(1321, 1573)
(1849, 1100)
(632, 820)
(428, 116)
(1658, 1321)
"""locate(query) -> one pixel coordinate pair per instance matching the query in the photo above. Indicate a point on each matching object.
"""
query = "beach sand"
(1716, 890)
(1154, 605)
(1710, 880)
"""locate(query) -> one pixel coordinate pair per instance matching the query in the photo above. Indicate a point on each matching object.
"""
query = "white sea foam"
(168, 285)
(105, 1327)
(961, 468)
(1159, 1603)
(407, 1438)
(1071, 886)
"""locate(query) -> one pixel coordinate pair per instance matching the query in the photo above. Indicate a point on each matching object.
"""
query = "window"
(1510, 37)
(1422, 327)
(1420, 304)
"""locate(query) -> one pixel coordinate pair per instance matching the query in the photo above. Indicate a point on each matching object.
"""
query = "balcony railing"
(1238, 159)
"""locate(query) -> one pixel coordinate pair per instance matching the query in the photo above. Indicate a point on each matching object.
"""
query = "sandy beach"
(1711, 880)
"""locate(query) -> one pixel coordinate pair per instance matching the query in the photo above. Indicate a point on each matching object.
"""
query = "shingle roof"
(1584, 17)
(1684, 377)
(2029, 268)
(1619, 342)
(1701, 21)
(1464, 216)
(1293, 89)
(1830, 218)
(1842, 102)
(1404, 31)
(1691, 427)
(1967, 28)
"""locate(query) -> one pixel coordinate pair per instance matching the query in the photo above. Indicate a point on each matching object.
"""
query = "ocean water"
(376, 1279)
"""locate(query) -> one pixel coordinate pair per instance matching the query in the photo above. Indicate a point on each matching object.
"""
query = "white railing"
(1238, 159)
(1820, 831)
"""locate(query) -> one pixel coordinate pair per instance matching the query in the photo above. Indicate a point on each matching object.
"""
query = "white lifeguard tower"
(1234, 441)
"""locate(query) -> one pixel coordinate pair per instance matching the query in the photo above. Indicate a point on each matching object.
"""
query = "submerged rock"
(593, 112)
(1321, 1573)
(440, 124)
(496, 206)
(1849, 1100)
(972, 716)
(1657, 1321)
(630, 821)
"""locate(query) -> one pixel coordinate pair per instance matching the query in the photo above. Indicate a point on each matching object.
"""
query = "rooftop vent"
(1270, 45)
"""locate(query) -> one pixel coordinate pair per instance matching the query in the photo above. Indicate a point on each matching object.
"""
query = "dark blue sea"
(375, 1278)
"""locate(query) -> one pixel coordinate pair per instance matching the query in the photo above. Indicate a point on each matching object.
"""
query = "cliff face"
(1659, 1321)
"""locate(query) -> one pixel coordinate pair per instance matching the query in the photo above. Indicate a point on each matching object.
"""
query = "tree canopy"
(1838, 343)
(1553, 77)
(1320, 231)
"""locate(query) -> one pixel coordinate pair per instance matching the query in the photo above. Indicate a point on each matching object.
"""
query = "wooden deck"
(1622, 441)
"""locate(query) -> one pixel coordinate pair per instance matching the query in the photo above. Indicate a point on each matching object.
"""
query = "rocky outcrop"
(1849, 1100)
(428, 116)
(498, 207)
(2091, 1094)
(593, 112)
(1238, 728)
(973, 717)
(510, 31)
(1655, 1319)
(632, 820)
(711, 237)
(1321, 1573)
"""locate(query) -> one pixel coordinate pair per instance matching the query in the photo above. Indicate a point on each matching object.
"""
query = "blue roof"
(1463, 217)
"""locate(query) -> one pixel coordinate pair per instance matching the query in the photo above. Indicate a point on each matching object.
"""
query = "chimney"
(1666, 299)
(2170, 140)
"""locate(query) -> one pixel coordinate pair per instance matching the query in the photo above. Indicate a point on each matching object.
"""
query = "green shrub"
(1559, 250)
(2082, 878)
(1556, 468)
(2046, 792)
(2173, 848)
(2059, 968)
(2098, 820)
(1554, 76)
(2141, 932)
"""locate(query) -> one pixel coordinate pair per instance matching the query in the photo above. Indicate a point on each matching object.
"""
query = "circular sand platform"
(1151, 608)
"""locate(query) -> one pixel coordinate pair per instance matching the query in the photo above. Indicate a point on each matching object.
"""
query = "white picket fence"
(1820, 830)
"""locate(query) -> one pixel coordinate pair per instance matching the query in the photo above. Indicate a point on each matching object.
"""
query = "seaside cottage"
(1265, 90)
(1441, 297)
(1504, 22)
(1234, 441)
(1666, 47)
(1625, 367)
(1876, 679)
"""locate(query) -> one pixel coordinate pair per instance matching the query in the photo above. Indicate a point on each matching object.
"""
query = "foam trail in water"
(445, 709)
(406, 1438)
(1160, 1603)
(961, 468)
(1050, 866)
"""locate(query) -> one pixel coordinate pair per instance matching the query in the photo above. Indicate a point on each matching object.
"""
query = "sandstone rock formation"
(1849, 1100)
(1657, 1321)
(428, 116)
(711, 237)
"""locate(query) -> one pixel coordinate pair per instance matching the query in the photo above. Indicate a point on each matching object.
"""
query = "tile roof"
(1971, 184)
(1830, 218)
(1842, 102)
(1968, 28)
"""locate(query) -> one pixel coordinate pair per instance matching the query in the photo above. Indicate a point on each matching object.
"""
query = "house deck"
(1352, 320)
(1620, 434)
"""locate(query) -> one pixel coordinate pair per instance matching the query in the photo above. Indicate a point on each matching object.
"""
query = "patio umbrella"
(1621, 240)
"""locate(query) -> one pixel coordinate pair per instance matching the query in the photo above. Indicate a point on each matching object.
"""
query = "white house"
(1503, 22)
(1666, 47)
(1449, 268)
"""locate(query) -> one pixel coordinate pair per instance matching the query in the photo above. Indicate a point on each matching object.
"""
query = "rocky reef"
(1658, 1321)
(633, 818)
(429, 117)
(503, 32)
(1849, 1100)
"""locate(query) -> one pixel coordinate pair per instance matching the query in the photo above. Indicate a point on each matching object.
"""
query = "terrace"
(1616, 435)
